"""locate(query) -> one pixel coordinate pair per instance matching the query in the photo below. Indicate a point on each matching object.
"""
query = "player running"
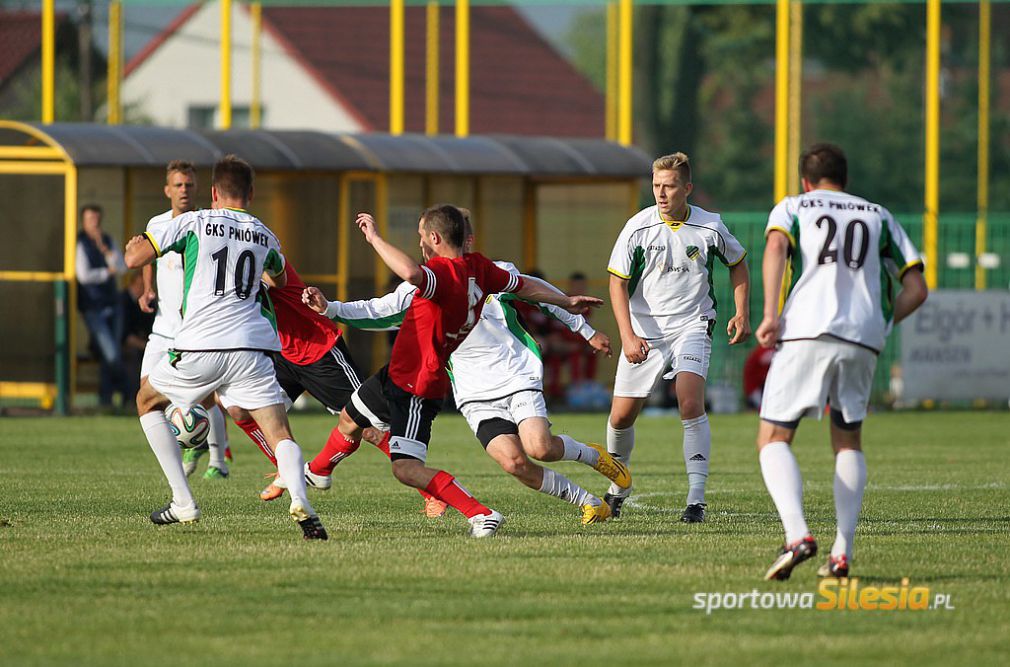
(180, 189)
(497, 379)
(407, 393)
(225, 338)
(664, 304)
(838, 309)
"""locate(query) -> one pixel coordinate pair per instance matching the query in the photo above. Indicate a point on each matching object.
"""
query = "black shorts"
(379, 402)
(331, 380)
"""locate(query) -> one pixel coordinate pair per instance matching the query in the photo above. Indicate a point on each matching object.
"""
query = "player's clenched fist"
(314, 299)
(636, 350)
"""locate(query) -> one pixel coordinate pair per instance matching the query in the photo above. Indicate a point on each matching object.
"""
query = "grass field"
(87, 580)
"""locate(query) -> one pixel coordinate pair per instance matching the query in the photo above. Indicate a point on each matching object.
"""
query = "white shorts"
(807, 375)
(242, 378)
(156, 350)
(688, 350)
(515, 408)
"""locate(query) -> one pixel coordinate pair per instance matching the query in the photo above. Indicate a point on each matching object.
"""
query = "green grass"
(86, 579)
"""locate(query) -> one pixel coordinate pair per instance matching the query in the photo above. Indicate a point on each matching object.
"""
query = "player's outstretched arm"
(773, 267)
(381, 313)
(537, 291)
(139, 252)
(738, 327)
(399, 262)
(912, 295)
(635, 349)
(575, 323)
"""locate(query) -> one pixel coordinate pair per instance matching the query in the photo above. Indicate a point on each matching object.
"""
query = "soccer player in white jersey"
(226, 336)
(845, 253)
(180, 189)
(497, 380)
(664, 304)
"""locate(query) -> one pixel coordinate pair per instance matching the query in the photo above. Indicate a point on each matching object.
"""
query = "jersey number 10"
(853, 256)
(245, 272)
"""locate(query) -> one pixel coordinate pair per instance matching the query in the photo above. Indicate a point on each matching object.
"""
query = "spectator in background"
(98, 264)
(755, 370)
(136, 328)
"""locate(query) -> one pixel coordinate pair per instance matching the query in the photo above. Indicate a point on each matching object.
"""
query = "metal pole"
(625, 72)
(984, 62)
(48, 60)
(431, 69)
(795, 99)
(781, 98)
(932, 176)
(225, 45)
(462, 68)
(62, 351)
(256, 103)
(115, 65)
(396, 67)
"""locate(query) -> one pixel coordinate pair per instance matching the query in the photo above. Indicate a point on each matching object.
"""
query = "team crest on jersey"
(693, 253)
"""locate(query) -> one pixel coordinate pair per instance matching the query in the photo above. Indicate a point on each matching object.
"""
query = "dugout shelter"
(309, 185)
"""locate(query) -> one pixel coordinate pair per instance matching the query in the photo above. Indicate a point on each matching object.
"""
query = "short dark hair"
(233, 177)
(447, 221)
(824, 162)
(184, 166)
(91, 207)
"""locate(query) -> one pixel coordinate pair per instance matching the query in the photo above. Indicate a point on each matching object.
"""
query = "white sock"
(577, 451)
(291, 467)
(166, 450)
(557, 485)
(697, 451)
(620, 442)
(785, 484)
(218, 439)
(850, 480)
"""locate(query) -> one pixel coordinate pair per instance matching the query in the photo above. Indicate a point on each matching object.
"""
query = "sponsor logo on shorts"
(691, 357)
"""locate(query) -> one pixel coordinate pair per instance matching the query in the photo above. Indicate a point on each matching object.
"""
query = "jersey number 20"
(853, 256)
(245, 272)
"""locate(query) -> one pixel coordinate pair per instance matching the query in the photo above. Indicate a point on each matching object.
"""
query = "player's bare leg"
(273, 420)
(782, 476)
(697, 442)
(508, 451)
(151, 408)
(539, 443)
(624, 410)
(850, 482)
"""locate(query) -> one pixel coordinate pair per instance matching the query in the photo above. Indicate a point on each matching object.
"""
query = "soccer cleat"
(595, 513)
(227, 454)
(308, 520)
(172, 513)
(611, 468)
(485, 525)
(837, 567)
(321, 482)
(433, 507)
(213, 472)
(274, 489)
(191, 456)
(694, 513)
(616, 502)
(791, 556)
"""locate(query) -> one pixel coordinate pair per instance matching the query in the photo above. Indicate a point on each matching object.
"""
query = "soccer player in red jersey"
(407, 393)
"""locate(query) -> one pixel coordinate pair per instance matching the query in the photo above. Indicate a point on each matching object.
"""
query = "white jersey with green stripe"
(168, 278)
(668, 266)
(845, 254)
(224, 254)
(498, 357)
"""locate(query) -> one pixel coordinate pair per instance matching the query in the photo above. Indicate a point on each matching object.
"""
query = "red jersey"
(444, 310)
(305, 334)
(755, 369)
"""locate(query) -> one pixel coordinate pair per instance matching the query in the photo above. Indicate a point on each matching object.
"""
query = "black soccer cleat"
(837, 567)
(172, 513)
(791, 556)
(616, 503)
(694, 513)
(312, 529)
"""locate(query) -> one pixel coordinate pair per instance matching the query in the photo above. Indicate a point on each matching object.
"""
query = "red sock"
(445, 487)
(383, 446)
(337, 448)
(252, 429)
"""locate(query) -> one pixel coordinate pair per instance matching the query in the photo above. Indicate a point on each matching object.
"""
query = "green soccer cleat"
(214, 472)
(191, 456)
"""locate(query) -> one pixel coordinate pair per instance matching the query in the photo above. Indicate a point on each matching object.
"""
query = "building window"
(200, 117)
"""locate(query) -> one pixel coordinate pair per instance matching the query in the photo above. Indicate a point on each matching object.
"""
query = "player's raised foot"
(321, 482)
(213, 472)
(616, 502)
(191, 456)
(611, 468)
(172, 513)
(791, 556)
(694, 513)
(227, 454)
(595, 513)
(308, 521)
(273, 490)
(433, 507)
(837, 567)
(486, 525)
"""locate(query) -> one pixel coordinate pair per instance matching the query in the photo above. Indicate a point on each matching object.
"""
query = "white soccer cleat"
(321, 482)
(172, 513)
(485, 525)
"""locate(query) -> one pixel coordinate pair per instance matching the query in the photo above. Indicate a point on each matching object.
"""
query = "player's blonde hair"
(678, 162)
